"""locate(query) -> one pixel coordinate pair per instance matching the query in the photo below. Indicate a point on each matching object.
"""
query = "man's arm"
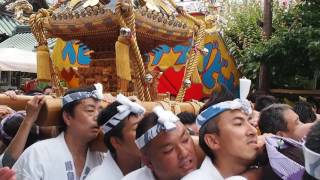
(18, 143)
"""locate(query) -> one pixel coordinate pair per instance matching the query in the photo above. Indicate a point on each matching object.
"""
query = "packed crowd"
(230, 138)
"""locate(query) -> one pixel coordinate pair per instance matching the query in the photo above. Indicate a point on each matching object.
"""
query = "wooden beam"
(295, 92)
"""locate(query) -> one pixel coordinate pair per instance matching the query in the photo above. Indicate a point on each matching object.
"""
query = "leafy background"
(292, 54)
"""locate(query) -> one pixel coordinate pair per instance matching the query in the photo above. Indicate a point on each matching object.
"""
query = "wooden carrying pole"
(50, 113)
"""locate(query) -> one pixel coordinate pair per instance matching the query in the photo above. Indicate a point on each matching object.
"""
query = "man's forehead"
(89, 102)
(232, 114)
(166, 138)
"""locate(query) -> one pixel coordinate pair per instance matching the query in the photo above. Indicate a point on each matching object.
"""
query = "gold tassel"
(195, 77)
(43, 63)
(123, 59)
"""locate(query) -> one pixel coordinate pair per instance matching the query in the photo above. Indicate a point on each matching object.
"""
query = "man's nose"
(251, 130)
(182, 151)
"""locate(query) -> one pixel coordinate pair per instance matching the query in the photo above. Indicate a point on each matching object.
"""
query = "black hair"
(208, 128)
(313, 143)
(70, 107)
(11, 127)
(264, 101)
(147, 122)
(313, 102)
(187, 117)
(272, 119)
(223, 95)
(305, 112)
(313, 140)
(211, 126)
(103, 117)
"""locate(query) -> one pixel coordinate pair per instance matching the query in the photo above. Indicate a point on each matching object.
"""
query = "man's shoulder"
(197, 174)
(39, 149)
(142, 173)
(50, 144)
(207, 171)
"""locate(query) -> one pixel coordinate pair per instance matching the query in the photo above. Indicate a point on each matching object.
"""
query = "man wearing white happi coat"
(228, 140)
(118, 122)
(167, 148)
(66, 157)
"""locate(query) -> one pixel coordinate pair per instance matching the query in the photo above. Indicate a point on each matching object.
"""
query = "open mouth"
(187, 165)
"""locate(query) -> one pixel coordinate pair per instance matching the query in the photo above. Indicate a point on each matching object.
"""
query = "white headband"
(311, 162)
(97, 93)
(124, 110)
(166, 122)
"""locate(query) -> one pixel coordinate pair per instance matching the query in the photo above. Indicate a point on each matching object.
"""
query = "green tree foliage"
(292, 53)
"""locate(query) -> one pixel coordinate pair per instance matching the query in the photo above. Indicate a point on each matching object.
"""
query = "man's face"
(48, 91)
(254, 118)
(171, 155)
(83, 123)
(237, 138)
(296, 129)
(128, 144)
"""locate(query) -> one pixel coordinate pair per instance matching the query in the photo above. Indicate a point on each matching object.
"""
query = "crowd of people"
(230, 138)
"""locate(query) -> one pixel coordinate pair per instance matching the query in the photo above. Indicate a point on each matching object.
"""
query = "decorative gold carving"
(20, 8)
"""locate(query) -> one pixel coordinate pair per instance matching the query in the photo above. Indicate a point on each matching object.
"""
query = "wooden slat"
(295, 92)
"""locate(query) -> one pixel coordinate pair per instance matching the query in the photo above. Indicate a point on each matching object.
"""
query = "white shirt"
(143, 173)
(51, 160)
(1, 157)
(207, 171)
(107, 170)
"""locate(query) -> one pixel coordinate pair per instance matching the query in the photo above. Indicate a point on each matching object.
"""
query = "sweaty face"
(296, 129)
(237, 138)
(172, 155)
(84, 122)
(129, 135)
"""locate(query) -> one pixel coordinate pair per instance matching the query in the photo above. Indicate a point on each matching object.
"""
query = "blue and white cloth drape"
(216, 109)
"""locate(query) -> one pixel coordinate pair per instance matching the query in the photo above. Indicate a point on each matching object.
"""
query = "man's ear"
(115, 142)
(212, 141)
(146, 161)
(66, 118)
(281, 134)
